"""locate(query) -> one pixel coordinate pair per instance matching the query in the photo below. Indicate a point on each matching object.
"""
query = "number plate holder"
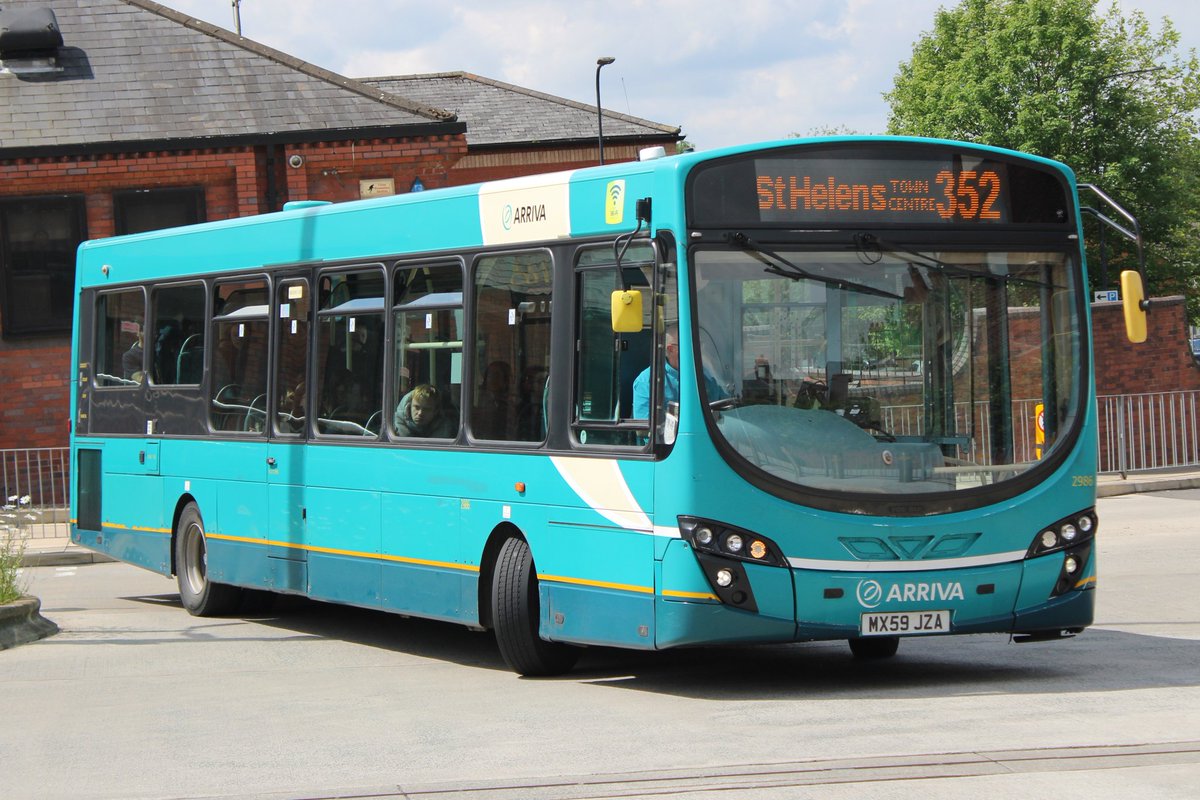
(904, 623)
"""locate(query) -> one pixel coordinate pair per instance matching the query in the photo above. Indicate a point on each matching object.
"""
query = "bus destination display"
(849, 190)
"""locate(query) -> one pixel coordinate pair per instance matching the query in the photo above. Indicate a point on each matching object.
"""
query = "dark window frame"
(76, 215)
(99, 341)
(159, 197)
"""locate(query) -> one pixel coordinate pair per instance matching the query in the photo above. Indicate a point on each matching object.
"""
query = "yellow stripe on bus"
(690, 595)
(335, 551)
(625, 587)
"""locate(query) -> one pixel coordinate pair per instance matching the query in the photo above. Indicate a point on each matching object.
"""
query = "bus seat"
(189, 365)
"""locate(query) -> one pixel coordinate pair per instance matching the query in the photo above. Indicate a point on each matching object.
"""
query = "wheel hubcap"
(195, 568)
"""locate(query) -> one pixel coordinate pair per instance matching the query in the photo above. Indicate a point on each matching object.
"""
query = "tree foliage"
(1101, 92)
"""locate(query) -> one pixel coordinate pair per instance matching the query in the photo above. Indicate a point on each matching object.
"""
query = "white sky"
(725, 72)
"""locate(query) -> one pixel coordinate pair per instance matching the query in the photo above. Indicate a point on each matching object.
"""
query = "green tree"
(1100, 92)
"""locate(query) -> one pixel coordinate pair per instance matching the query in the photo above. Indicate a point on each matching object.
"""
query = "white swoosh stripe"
(600, 484)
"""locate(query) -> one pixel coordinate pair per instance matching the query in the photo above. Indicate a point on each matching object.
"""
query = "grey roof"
(502, 114)
(134, 70)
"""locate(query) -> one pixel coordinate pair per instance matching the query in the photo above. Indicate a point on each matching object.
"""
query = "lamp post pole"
(601, 63)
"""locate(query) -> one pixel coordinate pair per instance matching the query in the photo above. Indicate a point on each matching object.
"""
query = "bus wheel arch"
(182, 503)
(199, 595)
(514, 609)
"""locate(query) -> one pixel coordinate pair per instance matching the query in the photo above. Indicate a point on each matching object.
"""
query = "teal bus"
(815, 389)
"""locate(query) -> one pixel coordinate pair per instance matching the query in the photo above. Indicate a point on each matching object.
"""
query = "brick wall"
(34, 402)
(1163, 363)
(35, 371)
(332, 170)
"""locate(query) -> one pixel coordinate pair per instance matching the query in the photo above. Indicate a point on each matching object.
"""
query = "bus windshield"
(888, 370)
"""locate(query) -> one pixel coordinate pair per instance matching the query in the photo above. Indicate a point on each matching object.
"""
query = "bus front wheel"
(516, 613)
(200, 596)
(875, 647)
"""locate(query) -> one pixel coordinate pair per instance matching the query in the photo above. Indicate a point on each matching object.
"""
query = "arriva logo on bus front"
(870, 592)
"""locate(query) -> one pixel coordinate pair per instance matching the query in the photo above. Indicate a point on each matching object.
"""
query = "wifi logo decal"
(614, 205)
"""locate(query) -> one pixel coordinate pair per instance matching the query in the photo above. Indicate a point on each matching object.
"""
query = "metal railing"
(35, 500)
(1136, 432)
(1158, 430)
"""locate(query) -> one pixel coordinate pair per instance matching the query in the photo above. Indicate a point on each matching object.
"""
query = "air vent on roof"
(29, 41)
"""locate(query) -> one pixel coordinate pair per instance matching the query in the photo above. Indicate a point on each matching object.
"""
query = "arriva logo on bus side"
(870, 592)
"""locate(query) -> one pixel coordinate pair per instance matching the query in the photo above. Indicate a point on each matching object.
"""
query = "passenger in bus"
(345, 399)
(131, 361)
(420, 414)
(641, 384)
(291, 407)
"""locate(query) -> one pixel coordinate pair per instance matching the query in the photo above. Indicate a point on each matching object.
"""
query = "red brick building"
(119, 116)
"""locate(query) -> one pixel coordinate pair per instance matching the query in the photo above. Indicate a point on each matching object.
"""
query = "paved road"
(136, 699)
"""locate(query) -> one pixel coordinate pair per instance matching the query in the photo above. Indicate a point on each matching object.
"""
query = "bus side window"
(238, 402)
(178, 314)
(609, 363)
(120, 341)
(512, 346)
(427, 320)
(350, 354)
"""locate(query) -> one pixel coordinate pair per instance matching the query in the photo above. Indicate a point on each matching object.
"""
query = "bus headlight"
(708, 536)
(1068, 532)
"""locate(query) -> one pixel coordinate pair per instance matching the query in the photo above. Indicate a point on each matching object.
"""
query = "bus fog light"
(733, 543)
(1069, 532)
(1070, 565)
(758, 548)
(724, 578)
(704, 535)
(1049, 539)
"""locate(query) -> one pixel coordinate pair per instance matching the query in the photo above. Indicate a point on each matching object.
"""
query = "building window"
(152, 209)
(38, 238)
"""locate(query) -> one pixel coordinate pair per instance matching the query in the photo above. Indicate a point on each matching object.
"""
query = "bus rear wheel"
(516, 613)
(875, 647)
(200, 596)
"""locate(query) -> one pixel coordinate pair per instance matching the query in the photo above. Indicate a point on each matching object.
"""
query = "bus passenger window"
(428, 319)
(239, 361)
(120, 342)
(178, 335)
(350, 354)
(512, 346)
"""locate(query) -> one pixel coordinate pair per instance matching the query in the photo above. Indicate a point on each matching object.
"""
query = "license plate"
(900, 623)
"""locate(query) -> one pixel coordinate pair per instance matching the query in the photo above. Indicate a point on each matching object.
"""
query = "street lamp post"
(601, 63)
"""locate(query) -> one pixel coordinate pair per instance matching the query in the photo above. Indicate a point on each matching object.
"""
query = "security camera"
(296, 161)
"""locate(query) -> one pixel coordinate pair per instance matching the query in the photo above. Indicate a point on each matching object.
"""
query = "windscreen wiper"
(870, 243)
(778, 265)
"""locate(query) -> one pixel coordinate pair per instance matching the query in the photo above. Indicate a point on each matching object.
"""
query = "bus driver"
(641, 384)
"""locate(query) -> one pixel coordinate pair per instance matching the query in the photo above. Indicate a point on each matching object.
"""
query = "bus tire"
(875, 647)
(516, 613)
(200, 596)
